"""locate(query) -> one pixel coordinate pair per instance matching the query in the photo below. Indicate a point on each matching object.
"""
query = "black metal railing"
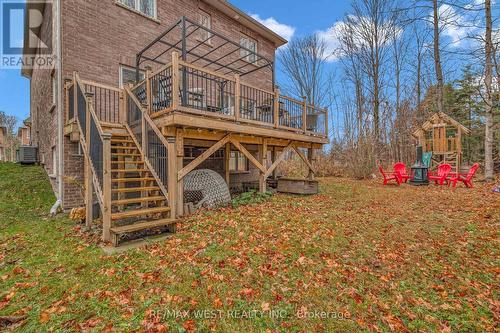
(290, 112)
(81, 104)
(161, 90)
(96, 148)
(141, 93)
(134, 118)
(106, 102)
(71, 102)
(156, 153)
(256, 104)
(207, 92)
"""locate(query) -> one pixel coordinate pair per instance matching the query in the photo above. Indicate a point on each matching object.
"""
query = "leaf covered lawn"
(357, 257)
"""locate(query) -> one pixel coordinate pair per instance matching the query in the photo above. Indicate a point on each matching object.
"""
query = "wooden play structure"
(442, 135)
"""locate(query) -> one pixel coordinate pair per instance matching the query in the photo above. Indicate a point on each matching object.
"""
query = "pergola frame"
(224, 63)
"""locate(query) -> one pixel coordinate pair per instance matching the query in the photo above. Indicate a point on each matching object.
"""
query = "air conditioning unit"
(27, 155)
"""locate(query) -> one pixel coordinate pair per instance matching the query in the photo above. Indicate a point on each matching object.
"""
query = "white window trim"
(202, 38)
(137, 8)
(249, 39)
(120, 75)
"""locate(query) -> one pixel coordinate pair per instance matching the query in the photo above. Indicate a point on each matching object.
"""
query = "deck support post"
(89, 182)
(276, 108)
(263, 161)
(304, 115)
(106, 188)
(311, 156)
(273, 159)
(227, 158)
(237, 97)
(179, 144)
(172, 176)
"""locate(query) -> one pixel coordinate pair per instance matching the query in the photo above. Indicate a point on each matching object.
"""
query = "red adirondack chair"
(390, 176)
(442, 174)
(400, 168)
(465, 178)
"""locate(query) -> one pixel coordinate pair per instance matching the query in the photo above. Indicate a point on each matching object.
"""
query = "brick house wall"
(43, 110)
(97, 37)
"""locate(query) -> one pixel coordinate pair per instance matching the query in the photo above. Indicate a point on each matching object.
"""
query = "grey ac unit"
(27, 155)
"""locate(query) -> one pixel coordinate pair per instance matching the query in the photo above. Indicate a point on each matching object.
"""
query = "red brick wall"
(43, 113)
(99, 35)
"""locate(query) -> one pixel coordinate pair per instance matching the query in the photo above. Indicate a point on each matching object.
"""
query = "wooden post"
(326, 123)
(172, 177)
(75, 98)
(263, 161)
(180, 164)
(227, 158)
(237, 97)
(175, 81)
(122, 111)
(276, 107)
(274, 160)
(304, 115)
(311, 156)
(89, 185)
(459, 149)
(149, 97)
(106, 187)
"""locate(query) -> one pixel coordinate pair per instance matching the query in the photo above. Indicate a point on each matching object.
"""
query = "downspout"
(60, 109)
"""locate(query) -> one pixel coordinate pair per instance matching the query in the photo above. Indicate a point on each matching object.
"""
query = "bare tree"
(303, 61)
(488, 78)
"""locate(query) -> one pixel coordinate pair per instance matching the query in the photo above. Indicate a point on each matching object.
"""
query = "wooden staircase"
(137, 202)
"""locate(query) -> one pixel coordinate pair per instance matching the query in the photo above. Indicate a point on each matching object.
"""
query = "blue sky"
(321, 14)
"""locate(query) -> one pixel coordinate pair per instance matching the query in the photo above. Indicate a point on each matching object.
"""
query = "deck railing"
(189, 88)
(106, 101)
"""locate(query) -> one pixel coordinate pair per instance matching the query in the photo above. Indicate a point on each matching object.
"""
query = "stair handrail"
(100, 174)
(140, 145)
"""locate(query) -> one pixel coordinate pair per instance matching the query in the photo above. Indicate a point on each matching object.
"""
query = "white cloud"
(457, 27)
(330, 37)
(285, 31)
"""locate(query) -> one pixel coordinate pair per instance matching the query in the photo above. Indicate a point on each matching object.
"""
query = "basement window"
(238, 162)
(127, 75)
(145, 7)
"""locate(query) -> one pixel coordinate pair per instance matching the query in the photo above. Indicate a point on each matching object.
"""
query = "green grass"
(380, 258)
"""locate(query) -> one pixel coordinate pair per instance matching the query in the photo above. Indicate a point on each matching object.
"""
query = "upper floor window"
(127, 75)
(206, 22)
(249, 44)
(146, 7)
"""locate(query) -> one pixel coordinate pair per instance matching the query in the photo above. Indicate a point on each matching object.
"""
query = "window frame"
(236, 156)
(137, 8)
(202, 37)
(54, 88)
(121, 84)
(245, 53)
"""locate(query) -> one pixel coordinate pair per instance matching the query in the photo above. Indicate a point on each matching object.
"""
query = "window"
(127, 75)
(250, 44)
(54, 162)
(206, 22)
(146, 7)
(54, 89)
(238, 162)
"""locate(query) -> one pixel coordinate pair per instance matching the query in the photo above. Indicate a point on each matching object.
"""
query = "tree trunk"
(488, 78)
(437, 59)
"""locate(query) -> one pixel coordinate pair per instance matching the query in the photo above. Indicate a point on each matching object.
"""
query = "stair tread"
(127, 162)
(123, 147)
(125, 154)
(142, 225)
(124, 180)
(137, 200)
(135, 189)
(130, 170)
(122, 140)
(139, 212)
